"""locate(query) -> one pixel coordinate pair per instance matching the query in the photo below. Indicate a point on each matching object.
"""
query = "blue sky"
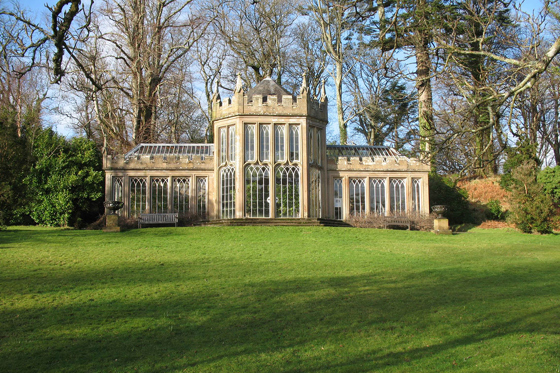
(39, 4)
(38, 7)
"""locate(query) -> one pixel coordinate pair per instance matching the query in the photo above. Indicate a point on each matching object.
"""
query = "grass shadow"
(159, 306)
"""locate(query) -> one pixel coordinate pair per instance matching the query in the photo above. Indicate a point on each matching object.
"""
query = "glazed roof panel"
(171, 149)
(362, 151)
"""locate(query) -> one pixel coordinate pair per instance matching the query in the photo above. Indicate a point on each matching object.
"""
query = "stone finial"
(216, 96)
(303, 90)
(239, 84)
(323, 96)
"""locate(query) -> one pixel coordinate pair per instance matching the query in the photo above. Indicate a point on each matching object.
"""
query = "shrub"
(15, 161)
(532, 208)
(2, 221)
(550, 179)
(65, 184)
(516, 156)
(494, 210)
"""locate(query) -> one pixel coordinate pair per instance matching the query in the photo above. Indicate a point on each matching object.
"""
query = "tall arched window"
(159, 196)
(138, 196)
(202, 196)
(181, 192)
(232, 143)
(377, 196)
(223, 145)
(117, 191)
(227, 191)
(357, 197)
(397, 194)
(338, 199)
(280, 198)
(264, 141)
(249, 142)
(294, 143)
(416, 195)
(257, 191)
(279, 146)
(287, 191)
(227, 169)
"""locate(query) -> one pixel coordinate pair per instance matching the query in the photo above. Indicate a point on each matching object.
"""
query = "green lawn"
(278, 299)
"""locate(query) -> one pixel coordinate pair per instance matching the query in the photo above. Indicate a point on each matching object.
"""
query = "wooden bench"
(397, 222)
(171, 218)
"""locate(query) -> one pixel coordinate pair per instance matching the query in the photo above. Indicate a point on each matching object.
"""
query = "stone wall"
(369, 164)
(239, 105)
(159, 162)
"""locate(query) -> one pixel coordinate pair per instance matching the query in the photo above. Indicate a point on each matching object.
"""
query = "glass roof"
(171, 149)
(208, 150)
(362, 151)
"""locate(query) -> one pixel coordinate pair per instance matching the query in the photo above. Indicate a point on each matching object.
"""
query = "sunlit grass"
(278, 299)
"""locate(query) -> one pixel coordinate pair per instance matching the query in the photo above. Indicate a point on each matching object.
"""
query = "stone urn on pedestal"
(441, 224)
(111, 218)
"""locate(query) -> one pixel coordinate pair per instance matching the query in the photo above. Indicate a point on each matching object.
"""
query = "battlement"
(378, 163)
(159, 162)
(239, 104)
(268, 98)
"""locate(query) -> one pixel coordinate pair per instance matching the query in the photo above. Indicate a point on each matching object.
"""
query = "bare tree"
(308, 57)
(536, 116)
(137, 42)
(382, 106)
(335, 19)
(257, 32)
(507, 75)
(550, 130)
(22, 91)
(181, 118)
(157, 34)
(211, 56)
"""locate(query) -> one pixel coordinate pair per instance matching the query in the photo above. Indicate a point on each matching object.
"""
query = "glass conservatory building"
(269, 160)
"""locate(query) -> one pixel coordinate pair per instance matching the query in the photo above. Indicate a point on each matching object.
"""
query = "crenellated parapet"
(377, 164)
(159, 162)
(254, 102)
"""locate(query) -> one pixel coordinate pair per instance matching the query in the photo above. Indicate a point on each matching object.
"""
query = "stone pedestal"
(441, 226)
(112, 223)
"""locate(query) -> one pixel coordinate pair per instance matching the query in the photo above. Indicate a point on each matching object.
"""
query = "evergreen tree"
(480, 26)
(65, 184)
(410, 26)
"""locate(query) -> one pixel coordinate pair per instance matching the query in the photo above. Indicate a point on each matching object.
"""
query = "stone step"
(277, 222)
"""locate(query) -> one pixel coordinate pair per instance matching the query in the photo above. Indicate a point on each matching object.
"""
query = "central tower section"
(270, 152)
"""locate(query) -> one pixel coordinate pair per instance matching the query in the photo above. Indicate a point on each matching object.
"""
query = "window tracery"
(416, 195)
(287, 191)
(397, 193)
(138, 196)
(201, 196)
(227, 188)
(377, 196)
(181, 192)
(159, 195)
(357, 197)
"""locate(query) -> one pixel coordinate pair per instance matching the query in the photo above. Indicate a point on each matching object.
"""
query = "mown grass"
(278, 299)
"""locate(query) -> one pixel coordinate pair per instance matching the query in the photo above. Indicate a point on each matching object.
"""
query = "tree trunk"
(342, 125)
(425, 107)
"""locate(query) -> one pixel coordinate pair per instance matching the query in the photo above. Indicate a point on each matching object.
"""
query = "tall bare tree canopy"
(456, 81)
